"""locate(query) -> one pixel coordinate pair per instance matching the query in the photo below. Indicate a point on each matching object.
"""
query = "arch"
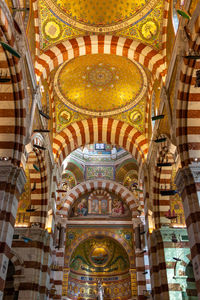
(94, 44)
(12, 106)
(17, 262)
(128, 166)
(76, 169)
(188, 97)
(102, 232)
(104, 130)
(92, 185)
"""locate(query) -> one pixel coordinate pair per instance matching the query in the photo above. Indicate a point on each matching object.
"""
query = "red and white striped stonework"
(162, 181)
(158, 273)
(188, 110)
(188, 139)
(12, 139)
(12, 106)
(12, 180)
(90, 186)
(39, 195)
(36, 256)
(94, 44)
(104, 130)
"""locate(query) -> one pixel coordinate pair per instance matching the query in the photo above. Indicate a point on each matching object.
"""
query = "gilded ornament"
(100, 84)
(149, 29)
(52, 29)
(64, 116)
(101, 16)
(135, 116)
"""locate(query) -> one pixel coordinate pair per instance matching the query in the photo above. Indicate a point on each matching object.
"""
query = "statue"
(100, 290)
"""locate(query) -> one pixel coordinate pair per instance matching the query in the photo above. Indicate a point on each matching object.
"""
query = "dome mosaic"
(101, 84)
(101, 15)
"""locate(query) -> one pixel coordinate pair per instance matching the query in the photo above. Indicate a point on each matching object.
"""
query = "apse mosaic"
(85, 82)
(62, 19)
(73, 234)
(100, 205)
(98, 258)
(99, 255)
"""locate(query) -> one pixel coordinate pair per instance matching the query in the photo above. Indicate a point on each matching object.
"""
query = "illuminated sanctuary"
(99, 149)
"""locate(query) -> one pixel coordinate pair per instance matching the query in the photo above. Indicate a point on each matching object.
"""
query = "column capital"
(187, 176)
(136, 222)
(12, 174)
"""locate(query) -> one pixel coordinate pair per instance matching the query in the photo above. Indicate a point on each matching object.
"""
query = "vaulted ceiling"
(102, 59)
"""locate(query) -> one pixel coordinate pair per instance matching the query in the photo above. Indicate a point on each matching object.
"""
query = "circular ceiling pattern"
(100, 84)
(101, 15)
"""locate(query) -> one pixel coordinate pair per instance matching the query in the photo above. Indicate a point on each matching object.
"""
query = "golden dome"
(100, 84)
(101, 15)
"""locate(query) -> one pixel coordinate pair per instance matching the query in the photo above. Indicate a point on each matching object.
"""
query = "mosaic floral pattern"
(134, 117)
(147, 28)
(105, 172)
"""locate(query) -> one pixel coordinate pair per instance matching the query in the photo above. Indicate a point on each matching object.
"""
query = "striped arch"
(12, 106)
(128, 166)
(102, 232)
(107, 44)
(17, 262)
(91, 185)
(104, 130)
(188, 109)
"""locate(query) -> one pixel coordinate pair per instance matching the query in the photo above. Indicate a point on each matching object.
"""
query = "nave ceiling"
(103, 82)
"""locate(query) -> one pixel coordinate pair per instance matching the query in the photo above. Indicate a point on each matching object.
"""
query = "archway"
(98, 258)
(91, 185)
(104, 130)
(107, 44)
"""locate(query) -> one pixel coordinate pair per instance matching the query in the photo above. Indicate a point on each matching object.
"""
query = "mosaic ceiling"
(84, 83)
(64, 19)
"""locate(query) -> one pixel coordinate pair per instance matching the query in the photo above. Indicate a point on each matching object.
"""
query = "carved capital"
(13, 175)
(136, 222)
(187, 176)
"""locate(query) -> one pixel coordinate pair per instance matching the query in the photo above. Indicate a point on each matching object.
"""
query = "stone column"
(139, 260)
(188, 184)
(12, 180)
